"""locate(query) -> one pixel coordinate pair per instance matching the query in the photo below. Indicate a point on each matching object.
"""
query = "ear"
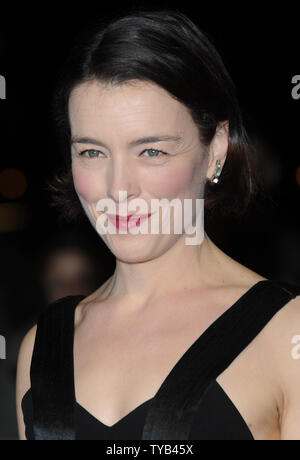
(218, 148)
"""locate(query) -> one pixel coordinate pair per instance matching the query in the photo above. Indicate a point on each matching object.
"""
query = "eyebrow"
(142, 140)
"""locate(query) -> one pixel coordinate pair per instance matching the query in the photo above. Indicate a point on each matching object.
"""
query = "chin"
(132, 255)
(139, 248)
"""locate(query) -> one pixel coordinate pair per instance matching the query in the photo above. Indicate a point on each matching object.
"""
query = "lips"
(130, 216)
(131, 220)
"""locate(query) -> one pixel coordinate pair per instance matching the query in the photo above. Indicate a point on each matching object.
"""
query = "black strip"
(51, 372)
(171, 412)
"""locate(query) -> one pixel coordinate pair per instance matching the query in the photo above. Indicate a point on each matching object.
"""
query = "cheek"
(171, 183)
(86, 184)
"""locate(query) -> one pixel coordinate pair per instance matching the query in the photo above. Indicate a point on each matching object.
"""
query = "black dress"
(190, 404)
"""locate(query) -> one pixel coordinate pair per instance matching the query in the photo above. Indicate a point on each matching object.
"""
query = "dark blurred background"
(42, 258)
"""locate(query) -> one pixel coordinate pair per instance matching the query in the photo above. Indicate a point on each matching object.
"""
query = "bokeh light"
(13, 183)
(298, 175)
(14, 216)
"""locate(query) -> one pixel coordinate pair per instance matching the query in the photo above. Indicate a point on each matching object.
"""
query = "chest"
(116, 372)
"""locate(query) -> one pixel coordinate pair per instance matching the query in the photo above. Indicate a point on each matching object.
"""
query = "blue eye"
(94, 153)
(90, 150)
(154, 151)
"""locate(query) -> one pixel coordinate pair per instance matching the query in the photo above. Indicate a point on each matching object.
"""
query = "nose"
(121, 178)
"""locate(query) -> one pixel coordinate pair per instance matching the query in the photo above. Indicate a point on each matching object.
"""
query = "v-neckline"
(145, 405)
(110, 427)
(183, 357)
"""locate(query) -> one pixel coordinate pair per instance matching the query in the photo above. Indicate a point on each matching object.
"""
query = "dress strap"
(173, 408)
(172, 411)
(51, 371)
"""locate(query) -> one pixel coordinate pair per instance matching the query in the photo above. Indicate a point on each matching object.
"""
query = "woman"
(182, 341)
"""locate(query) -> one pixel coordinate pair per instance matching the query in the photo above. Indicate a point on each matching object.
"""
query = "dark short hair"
(165, 47)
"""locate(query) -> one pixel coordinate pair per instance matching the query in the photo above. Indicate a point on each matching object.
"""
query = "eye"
(154, 151)
(90, 151)
(94, 153)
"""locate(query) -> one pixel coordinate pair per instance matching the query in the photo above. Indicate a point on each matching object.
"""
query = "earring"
(215, 178)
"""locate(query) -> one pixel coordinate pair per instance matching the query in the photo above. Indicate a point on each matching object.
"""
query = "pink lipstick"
(127, 222)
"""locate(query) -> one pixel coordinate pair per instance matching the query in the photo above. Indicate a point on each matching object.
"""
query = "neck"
(180, 268)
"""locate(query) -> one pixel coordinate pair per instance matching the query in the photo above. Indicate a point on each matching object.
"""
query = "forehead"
(136, 103)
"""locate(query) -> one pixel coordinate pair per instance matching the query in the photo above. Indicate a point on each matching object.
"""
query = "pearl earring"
(215, 179)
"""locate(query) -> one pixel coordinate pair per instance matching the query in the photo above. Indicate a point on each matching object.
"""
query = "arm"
(23, 376)
(290, 365)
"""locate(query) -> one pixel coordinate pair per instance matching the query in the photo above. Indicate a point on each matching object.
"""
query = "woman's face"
(110, 119)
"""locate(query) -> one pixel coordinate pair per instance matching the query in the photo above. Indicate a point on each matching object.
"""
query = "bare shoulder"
(24, 357)
(283, 340)
(275, 356)
(284, 327)
(23, 375)
(285, 332)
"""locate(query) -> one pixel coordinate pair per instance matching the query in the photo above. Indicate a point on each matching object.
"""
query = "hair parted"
(165, 47)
